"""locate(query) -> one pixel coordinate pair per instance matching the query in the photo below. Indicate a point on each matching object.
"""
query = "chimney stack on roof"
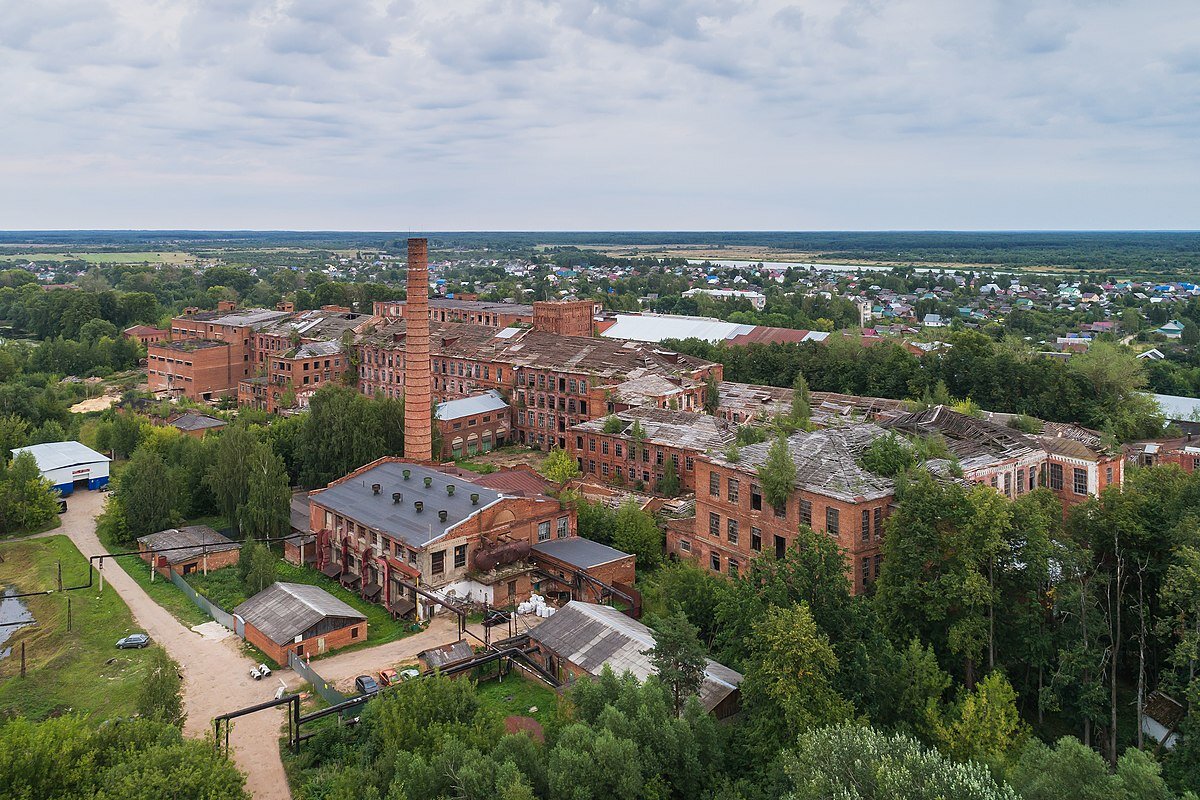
(418, 396)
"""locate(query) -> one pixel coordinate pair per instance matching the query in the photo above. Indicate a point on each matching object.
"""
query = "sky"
(602, 115)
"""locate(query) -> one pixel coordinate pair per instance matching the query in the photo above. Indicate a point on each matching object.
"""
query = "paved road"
(215, 673)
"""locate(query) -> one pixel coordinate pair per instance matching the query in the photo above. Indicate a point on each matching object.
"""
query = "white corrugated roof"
(1181, 408)
(55, 455)
(470, 406)
(656, 327)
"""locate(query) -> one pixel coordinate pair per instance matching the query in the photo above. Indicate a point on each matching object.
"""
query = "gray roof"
(579, 552)
(193, 421)
(353, 498)
(299, 516)
(826, 462)
(55, 455)
(975, 442)
(470, 406)
(315, 349)
(670, 428)
(448, 654)
(591, 636)
(283, 611)
(254, 317)
(197, 538)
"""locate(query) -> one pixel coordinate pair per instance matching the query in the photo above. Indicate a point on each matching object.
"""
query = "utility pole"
(68, 612)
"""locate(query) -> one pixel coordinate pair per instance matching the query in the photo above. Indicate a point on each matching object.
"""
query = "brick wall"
(351, 634)
(609, 457)
(716, 545)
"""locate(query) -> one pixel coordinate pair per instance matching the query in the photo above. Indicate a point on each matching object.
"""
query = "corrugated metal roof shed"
(591, 636)
(283, 611)
(199, 539)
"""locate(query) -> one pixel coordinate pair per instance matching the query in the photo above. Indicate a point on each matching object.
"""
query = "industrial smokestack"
(418, 397)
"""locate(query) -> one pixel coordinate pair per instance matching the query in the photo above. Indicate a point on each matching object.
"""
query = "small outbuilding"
(1161, 716)
(582, 638)
(195, 424)
(69, 465)
(301, 619)
(446, 656)
(202, 549)
(301, 546)
(576, 568)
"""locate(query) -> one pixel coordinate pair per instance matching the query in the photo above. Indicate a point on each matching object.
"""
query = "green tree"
(341, 433)
(560, 467)
(158, 697)
(636, 532)
(266, 511)
(801, 402)
(888, 455)
(14, 433)
(677, 656)
(1072, 769)
(669, 485)
(126, 434)
(146, 500)
(257, 565)
(229, 474)
(778, 474)
(850, 762)
(788, 685)
(590, 764)
(27, 500)
(985, 726)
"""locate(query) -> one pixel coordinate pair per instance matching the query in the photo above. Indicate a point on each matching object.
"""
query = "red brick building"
(470, 312)
(553, 381)
(832, 495)
(195, 548)
(1183, 452)
(391, 524)
(564, 317)
(580, 569)
(476, 424)
(145, 334)
(224, 340)
(676, 437)
(299, 618)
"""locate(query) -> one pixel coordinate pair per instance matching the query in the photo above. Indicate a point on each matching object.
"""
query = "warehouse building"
(69, 465)
(298, 618)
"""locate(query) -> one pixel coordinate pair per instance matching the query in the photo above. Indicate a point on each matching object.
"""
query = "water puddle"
(12, 609)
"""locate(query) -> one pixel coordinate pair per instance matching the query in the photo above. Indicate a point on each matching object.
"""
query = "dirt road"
(215, 673)
(342, 669)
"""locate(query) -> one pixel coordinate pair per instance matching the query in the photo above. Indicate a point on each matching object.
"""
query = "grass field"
(78, 670)
(168, 257)
(516, 694)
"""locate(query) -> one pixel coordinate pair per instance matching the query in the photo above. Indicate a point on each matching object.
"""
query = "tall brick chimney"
(418, 397)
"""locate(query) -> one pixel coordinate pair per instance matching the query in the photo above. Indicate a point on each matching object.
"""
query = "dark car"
(365, 684)
(62, 506)
(134, 641)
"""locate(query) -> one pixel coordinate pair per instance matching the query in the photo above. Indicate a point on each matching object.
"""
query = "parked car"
(260, 672)
(133, 641)
(365, 684)
(387, 677)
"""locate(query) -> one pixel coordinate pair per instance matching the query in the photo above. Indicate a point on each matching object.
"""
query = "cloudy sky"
(599, 115)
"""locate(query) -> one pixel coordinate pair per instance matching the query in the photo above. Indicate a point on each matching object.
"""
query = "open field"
(516, 694)
(78, 670)
(165, 257)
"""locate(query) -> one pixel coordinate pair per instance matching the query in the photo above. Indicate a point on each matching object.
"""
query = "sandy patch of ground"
(212, 630)
(95, 404)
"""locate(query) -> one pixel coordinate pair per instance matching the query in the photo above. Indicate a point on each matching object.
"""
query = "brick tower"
(418, 397)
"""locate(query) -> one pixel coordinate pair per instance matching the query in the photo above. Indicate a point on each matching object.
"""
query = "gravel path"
(216, 676)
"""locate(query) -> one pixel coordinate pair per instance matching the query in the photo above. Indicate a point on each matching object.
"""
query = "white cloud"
(367, 114)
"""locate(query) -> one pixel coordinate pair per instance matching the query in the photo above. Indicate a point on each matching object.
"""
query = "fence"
(326, 690)
(216, 612)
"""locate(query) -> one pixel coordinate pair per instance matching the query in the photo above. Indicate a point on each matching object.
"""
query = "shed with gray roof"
(583, 638)
(299, 618)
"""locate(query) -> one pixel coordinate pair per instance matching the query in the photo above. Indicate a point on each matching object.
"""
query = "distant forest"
(1175, 253)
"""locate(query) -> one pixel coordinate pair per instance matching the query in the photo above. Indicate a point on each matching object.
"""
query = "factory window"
(831, 520)
(806, 512)
(732, 530)
(1079, 481)
(563, 523)
(1056, 476)
(685, 545)
(714, 525)
(460, 556)
(756, 540)
(544, 531)
(733, 568)
(714, 484)
(733, 490)
(878, 523)
(715, 562)
(438, 562)
(866, 526)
